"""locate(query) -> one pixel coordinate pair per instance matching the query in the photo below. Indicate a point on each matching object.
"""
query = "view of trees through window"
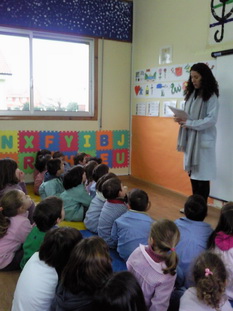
(42, 75)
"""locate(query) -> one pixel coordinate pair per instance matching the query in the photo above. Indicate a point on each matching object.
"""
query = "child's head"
(225, 222)
(8, 169)
(80, 158)
(89, 167)
(99, 171)
(58, 155)
(195, 208)
(103, 179)
(57, 246)
(42, 152)
(74, 177)
(14, 202)
(164, 236)
(88, 267)
(41, 163)
(210, 278)
(112, 189)
(121, 292)
(55, 167)
(48, 213)
(96, 159)
(138, 200)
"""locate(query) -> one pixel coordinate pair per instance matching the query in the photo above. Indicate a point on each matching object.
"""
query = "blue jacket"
(193, 240)
(130, 230)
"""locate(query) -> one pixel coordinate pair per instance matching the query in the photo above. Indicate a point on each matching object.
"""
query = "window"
(45, 75)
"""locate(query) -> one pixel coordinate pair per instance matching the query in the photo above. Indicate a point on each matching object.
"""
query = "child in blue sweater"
(113, 208)
(133, 227)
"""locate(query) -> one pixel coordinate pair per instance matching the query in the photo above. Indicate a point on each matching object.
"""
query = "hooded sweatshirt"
(224, 247)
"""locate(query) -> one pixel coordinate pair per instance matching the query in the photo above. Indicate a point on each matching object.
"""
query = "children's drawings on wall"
(111, 146)
(153, 109)
(163, 82)
(141, 109)
(166, 110)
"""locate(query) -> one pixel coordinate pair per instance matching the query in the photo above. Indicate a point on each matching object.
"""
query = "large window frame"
(93, 79)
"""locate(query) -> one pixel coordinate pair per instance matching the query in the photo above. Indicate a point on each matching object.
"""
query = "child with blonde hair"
(14, 228)
(154, 265)
(210, 277)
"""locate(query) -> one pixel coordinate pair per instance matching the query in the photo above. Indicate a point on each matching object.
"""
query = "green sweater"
(32, 244)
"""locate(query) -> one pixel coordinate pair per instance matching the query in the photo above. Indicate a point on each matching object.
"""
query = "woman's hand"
(181, 122)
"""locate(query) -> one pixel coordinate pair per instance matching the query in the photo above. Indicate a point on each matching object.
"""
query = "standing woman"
(197, 134)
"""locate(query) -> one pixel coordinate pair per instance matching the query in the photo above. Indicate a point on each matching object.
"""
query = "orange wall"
(154, 156)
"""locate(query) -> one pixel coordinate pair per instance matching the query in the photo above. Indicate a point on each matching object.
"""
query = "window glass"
(46, 75)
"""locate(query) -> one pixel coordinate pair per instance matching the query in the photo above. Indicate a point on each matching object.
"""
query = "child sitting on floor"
(80, 159)
(210, 278)
(75, 197)
(221, 242)
(48, 213)
(14, 228)
(60, 155)
(41, 166)
(91, 219)
(194, 235)
(113, 208)
(155, 265)
(99, 171)
(133, 227)
(52, 184)
(37, 282)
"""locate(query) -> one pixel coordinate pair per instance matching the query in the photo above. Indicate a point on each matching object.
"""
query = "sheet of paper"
(179, 113)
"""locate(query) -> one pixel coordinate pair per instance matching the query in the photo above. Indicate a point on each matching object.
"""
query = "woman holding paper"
(197, 134)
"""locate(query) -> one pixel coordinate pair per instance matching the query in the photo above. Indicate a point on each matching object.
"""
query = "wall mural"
(22, 146)
(109, 19)
(221, 26)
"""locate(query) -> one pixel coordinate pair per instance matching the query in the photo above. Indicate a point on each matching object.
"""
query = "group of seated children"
(172, 265)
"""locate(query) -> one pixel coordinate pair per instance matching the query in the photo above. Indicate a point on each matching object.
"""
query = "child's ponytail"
(10, 203)
(4, 224)
(210, 277)
(164, 237)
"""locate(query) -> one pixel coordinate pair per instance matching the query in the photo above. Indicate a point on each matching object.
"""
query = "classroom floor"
(164, 204)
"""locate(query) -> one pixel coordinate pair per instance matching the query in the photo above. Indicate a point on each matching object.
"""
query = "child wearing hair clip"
(210, 278)
(154, 265)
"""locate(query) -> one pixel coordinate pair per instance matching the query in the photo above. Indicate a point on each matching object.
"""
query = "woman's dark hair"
(53, 166)
(225, 223)
(47, 212)
(111, 188)
(209, 85)
(99, 171)
(73, 178)
(57, 246)
(41, 163)
(89, 266)
(138, 200)
(10, 203)
(195, 208)
(210, 278)
(7, 172)
(89, 167)
(121, 292)
(103, 179)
